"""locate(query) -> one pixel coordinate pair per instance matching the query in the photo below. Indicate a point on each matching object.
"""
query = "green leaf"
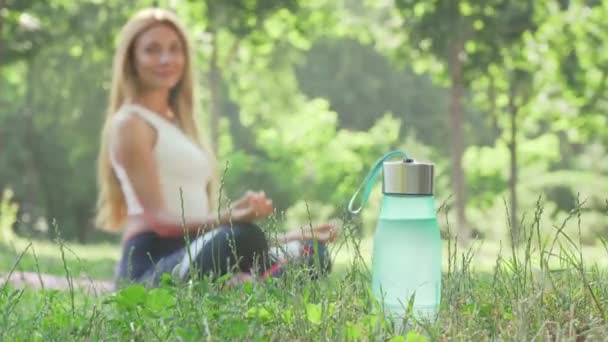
(160, 301)
(414, 336)
(470, 46)
(287, 316)
(353, 332)
(314, 313)
(166, 280)
(131, 296)
(465, 8)
(264, 315)
(419, 8)
(259, 313)
(478, 25)
(248, 287)
(76, 51)
(298, 40)
(274, 28)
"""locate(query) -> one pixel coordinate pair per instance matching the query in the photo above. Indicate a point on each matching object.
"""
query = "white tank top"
(181, 165)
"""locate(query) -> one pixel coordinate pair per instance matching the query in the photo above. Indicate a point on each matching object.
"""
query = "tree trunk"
(513, 153)
(455, 64)
(2, 5)
(493, 110)
(35, 190)
(215, 100)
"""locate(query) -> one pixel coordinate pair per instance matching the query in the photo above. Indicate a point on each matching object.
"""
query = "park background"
(299, 98)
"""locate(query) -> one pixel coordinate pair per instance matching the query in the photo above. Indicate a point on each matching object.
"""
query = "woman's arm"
(132, 145)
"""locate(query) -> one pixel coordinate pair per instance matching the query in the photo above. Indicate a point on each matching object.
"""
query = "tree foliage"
(301, 97)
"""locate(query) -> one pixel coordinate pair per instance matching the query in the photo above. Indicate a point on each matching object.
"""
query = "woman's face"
(158, 56)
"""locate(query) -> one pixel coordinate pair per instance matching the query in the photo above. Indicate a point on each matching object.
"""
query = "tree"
(548, 82)
(55, 88)
(221, 28)
(457, 41)
(505, 57)
(439, 29)
(361, 84)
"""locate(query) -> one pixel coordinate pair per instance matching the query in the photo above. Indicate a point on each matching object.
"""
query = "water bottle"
(406, 260)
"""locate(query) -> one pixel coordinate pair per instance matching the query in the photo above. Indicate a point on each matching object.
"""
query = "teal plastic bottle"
(406, 260)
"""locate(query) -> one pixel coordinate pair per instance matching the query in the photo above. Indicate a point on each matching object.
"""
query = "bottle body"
(406, 261)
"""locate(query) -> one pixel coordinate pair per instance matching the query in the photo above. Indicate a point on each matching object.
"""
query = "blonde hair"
(111, 205)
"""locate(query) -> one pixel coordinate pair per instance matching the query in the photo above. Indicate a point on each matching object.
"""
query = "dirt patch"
(21, 279)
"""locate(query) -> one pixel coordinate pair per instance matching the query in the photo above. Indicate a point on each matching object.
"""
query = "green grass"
(540, 291)
(96, 261)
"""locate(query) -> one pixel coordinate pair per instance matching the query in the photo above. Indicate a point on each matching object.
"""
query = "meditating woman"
(157, 179)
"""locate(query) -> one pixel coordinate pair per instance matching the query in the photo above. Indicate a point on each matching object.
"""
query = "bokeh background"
(300, 98)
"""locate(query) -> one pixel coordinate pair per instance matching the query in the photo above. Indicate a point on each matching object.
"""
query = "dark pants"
(240, 247)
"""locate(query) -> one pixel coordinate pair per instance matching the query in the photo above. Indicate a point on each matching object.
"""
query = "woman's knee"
(247, 235)
(241, 245)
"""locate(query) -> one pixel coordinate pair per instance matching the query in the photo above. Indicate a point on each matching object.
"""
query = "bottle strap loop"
(370, 179)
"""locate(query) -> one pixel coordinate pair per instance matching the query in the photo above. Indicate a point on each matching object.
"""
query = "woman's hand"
(252, 206)
(327, 232)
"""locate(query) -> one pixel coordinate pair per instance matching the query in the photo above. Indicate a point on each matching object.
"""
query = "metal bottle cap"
(407, 177)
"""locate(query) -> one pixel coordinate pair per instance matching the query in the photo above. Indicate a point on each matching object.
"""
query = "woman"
(156, 179)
